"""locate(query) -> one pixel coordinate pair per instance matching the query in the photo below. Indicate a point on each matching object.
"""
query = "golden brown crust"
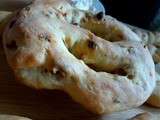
(47, 50)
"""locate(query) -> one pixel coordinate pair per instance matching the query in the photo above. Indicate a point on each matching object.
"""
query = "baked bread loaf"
(152, 40)
(52, 45)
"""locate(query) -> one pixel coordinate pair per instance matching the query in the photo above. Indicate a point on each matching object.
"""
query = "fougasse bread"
(97, 60)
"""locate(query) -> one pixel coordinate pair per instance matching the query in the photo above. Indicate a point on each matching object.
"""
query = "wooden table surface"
(17, 99)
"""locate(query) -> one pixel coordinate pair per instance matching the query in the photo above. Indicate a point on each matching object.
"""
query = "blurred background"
(141, 13)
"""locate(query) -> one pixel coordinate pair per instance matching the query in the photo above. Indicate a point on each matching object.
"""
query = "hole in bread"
(12, 45)
(85, 51)
(130, 76)
(74, 23)
(91, 44)
(103, 30)
(12, 24)
(60, 74)
(99, 15)
(145, 46)
(118, 71)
